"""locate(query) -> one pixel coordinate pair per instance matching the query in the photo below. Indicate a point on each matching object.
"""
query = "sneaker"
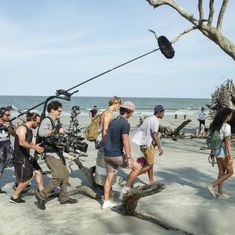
(222, 196)
(69, 201)
(2, 191)
(17, 200)
(211, 190)
(125, 189)
(41, 201)
(108, 204)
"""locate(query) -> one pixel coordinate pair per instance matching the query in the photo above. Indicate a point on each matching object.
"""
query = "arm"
(228, 148)
(127, 148)
(107, 116)
(21, 131)
(156, 142)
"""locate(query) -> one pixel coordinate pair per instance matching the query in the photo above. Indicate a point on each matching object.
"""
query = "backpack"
(214, 140)
(92, 130)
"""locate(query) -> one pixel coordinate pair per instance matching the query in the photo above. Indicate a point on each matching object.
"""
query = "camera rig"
(72, 141)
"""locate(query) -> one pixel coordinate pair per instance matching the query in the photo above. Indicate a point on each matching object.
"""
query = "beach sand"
(185, 203)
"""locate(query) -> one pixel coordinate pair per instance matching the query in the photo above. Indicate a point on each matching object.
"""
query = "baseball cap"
(128, 105)
(158, 108)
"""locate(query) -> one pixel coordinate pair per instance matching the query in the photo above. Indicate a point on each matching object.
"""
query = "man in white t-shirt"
(201, 118)
(151, 139)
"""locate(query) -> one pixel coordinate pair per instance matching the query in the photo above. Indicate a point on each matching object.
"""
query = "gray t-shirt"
(45, 128)
(114, 143)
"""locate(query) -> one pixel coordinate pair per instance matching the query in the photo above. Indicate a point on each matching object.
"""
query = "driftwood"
(88, 172)
(167, 132)
(86, 190)
(130, 199)
(154, 220)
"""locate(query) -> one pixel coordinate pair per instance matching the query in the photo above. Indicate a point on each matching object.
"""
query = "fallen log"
(88, 172)
(180, 127)
(130, 201)
(131, 198)
(86, 190)
(167, 132)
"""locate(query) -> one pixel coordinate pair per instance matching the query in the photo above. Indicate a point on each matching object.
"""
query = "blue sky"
(47, 45)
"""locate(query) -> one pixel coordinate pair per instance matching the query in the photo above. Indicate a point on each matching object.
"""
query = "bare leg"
(150, 174)
(229, 172)
(136, 168)
(21, 186)
(39, 179)
(108, 185)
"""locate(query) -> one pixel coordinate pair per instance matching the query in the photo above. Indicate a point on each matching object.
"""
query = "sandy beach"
(185, 203)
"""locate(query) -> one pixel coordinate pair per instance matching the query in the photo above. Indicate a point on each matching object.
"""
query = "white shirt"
(225, 131)
(149, 126)
(202, 115)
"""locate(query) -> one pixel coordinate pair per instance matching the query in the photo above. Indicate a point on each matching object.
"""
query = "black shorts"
(36, 165)
(201, 122)
(24, 169)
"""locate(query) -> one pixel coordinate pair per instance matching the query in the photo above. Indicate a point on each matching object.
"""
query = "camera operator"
(6, 129)
(53, 156)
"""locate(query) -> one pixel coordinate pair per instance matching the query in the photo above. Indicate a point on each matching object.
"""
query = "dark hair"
(124, 110)
(220, 118)
(54, 105)
(31, 116)
(3, 110)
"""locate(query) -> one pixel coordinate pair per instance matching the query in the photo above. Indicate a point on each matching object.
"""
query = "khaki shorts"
(113, 163)
(149, 153)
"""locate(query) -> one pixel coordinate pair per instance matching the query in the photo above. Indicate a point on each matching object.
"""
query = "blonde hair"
(114, 100)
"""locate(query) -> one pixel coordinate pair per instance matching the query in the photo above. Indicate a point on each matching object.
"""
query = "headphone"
(2, 111)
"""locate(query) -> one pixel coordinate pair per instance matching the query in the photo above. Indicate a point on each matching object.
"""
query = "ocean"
(144, 106)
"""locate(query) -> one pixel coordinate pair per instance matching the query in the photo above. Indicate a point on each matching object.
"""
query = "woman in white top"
(223, 155)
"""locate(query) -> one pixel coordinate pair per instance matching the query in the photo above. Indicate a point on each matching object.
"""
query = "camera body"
(69, 142)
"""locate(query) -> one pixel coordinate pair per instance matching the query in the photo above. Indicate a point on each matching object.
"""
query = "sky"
(46, 45)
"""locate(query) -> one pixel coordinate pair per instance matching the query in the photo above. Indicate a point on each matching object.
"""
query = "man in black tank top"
(22, 160)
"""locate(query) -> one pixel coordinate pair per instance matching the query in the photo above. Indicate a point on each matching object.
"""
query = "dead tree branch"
(211, 12)
(212, 32)
(221, 15)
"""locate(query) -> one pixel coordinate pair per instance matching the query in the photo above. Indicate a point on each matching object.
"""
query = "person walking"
(117, 151)
(223, 154)
(25, 165)
(53, 156)
(149, 139)
(100, 174)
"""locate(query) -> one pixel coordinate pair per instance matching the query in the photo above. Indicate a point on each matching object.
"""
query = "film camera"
(68, 142)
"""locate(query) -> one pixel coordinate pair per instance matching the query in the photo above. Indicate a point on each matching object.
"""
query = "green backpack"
(92, 130)
(214, 140)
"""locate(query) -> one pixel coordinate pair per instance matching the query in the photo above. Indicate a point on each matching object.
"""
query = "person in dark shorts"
(6, 128)
(25, 165)
(201, 119)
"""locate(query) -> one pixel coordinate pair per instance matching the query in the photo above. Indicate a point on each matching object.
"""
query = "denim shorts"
(221, 152)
